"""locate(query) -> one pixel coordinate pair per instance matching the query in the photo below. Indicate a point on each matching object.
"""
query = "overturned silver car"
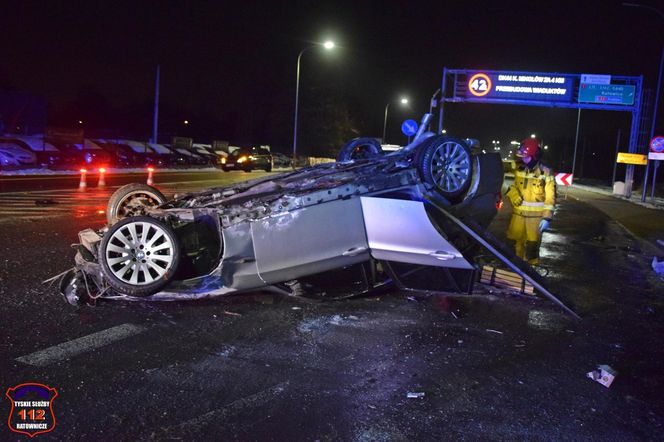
(345, 224)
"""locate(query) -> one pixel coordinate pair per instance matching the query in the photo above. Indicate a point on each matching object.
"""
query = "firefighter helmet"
(529, 148)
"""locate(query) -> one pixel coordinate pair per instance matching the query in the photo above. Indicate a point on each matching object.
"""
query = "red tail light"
(499, 201)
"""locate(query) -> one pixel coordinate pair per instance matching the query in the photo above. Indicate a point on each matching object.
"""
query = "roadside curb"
(658, 205)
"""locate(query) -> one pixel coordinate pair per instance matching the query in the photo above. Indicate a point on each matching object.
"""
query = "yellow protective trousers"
(533, 197)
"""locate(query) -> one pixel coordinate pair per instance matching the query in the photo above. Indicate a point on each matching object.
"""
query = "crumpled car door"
(331, 235)
(400, 230)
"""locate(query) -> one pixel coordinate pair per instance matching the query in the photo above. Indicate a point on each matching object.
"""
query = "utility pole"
(155, 116)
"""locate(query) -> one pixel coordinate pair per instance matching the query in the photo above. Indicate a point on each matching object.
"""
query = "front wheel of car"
(139, 256)
(446, 164)
(360, 149)
(132, 200)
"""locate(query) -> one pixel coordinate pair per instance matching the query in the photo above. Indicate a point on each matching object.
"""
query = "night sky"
(230, 68)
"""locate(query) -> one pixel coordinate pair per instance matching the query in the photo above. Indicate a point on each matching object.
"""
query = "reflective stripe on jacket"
(537, 188)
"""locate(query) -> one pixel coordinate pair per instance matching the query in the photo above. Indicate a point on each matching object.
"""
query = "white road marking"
(242, 405)
(80, 345)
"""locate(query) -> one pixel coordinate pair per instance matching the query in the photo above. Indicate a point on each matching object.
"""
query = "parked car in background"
(168, 158)
(205, 151)
(47, 155)
(127, 153)
(93, 154)
(144, 154)
(71, 157)
(281, 160)
(121, 156)
(14, 156)
(191, 158)
(248, 160)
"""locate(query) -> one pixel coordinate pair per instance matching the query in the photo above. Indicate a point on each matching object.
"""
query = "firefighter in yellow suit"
(533, 198)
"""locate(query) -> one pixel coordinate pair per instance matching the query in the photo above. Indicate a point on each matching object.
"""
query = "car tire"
(139, 256)
(360, 149)
(132, 200)
(268, 168)
(446, 164)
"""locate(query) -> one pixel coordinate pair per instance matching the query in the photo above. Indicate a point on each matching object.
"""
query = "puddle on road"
(554, 245)
(508, 311)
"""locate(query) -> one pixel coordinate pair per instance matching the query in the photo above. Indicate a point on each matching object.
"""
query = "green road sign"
(606, 93)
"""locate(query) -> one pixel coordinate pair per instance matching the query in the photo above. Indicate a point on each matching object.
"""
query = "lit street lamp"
(403, 101)
(328, 45)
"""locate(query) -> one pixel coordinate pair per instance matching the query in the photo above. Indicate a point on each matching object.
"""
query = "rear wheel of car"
(132, 200)
(446, 164)
(360, 149)
(268, 168)
(139, 256)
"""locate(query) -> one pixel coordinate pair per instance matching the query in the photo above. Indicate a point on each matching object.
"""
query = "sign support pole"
(576, 140)
(615, 161)
(652, 128)
(654, 180)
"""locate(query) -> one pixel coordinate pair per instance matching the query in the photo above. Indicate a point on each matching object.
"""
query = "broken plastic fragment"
(604, 375)
(415, 395)
(658, 266)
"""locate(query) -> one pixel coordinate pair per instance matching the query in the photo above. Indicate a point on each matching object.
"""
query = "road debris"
(490, 330)
(296, 308)
(604, 375)
(226, 312)
(45, 202)
(415, 395)
(658, 266)
(660, 242)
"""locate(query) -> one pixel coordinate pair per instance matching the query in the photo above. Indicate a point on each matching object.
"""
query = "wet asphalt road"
(269, 367)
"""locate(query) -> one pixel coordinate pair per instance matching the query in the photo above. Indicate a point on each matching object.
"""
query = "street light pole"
(297, 100)
(387, 106)
(652, 128)
(327, 45)
(155, 114)
(403, 101)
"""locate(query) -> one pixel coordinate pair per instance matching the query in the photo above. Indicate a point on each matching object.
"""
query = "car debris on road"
(604, 374)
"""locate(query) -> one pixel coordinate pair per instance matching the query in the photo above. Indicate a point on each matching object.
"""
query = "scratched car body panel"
(275, 231)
